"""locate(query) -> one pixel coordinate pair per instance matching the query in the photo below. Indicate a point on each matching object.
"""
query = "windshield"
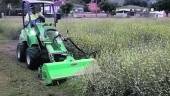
(36, 10)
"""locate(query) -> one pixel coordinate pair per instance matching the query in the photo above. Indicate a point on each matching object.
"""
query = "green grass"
(134, 55)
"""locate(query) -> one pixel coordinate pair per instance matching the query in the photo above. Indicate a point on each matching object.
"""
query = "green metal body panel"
(29, 35)
(56, 47)
(23, 36)
(67, 68)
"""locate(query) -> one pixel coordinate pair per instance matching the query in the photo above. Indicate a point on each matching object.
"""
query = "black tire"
(21, 52)
(32, 58)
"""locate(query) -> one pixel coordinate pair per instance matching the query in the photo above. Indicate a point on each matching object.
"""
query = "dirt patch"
(17, 80)
(3, 80)
(8, 47)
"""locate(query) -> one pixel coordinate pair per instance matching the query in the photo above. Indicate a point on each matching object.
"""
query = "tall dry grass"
(134, 56)
(10, 28)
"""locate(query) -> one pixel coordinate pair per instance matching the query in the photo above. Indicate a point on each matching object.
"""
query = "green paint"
(60, 70)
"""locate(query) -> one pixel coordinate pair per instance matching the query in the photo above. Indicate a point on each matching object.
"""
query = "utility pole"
(96, 8)
(9, 6)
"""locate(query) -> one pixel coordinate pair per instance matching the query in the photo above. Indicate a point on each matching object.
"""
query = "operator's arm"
(26, 19)
(41, 15)
(32, 21)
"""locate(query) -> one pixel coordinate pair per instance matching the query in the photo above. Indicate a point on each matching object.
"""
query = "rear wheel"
(21, 52)
(32, 58)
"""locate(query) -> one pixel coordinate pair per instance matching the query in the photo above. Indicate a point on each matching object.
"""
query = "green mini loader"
(42, 47)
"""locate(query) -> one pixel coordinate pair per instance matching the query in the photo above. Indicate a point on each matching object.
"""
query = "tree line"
(108, 7)
(104, 5)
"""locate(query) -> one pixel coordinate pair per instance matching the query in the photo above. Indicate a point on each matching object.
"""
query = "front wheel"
(32, 58)
(21, 52)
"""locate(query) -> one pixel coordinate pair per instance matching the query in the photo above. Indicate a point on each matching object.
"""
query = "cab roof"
(38, 1)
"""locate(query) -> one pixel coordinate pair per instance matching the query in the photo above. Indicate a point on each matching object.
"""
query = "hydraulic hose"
(78, 48)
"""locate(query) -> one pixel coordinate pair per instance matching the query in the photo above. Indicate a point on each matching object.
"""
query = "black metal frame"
(43, 5)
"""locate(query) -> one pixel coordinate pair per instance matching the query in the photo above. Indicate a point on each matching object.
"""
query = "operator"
(36, 15)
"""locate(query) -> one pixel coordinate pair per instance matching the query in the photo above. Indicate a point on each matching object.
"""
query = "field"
(133, 54)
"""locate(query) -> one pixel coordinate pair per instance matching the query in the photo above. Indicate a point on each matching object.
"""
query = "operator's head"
(36, 8)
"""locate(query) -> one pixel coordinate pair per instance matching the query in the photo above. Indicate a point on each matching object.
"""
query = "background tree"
(6, 5)
(78, 1)
(66, 8)
(163, 5)
(141, 3)
(106, 6)
(13, 2)
(88, 1)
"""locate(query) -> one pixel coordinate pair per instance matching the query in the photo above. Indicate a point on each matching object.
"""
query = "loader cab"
(46, 8)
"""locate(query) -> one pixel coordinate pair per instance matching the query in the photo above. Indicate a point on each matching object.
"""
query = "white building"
(131, 7)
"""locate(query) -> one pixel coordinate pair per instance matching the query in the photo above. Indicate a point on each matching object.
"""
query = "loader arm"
(62, 64)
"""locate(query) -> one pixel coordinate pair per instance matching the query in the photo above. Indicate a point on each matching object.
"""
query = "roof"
(38, 1)
(131, 7)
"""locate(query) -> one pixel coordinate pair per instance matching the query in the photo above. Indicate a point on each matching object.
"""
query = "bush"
(107, 6)
(66, 8)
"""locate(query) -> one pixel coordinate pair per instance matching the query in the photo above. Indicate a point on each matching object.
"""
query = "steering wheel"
(38, 20)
